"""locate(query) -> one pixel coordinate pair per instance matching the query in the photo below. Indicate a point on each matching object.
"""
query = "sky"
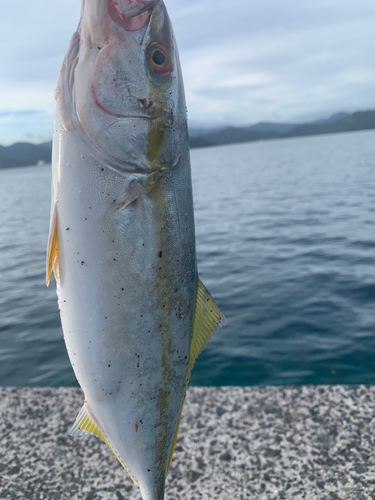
(243, 61)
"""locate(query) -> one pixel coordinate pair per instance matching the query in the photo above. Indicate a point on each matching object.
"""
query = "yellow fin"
(207, 320)
(52, 249)
(85, 424)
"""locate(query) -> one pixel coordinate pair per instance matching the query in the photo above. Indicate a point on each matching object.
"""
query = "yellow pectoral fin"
(85, 424)
(52, 249)
(207, 320)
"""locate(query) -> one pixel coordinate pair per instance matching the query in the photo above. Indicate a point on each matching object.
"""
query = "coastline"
(304, 442)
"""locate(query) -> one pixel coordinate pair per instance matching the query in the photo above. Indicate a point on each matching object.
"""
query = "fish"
(121, 245)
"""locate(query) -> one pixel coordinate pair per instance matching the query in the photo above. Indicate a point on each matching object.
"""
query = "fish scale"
(122, 241)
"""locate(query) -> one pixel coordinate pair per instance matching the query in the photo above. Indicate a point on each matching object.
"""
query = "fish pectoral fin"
(133, 192)
(52, 263)
(207, 320)
(85, 424)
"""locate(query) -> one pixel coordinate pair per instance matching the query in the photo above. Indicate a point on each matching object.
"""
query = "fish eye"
(159, 59)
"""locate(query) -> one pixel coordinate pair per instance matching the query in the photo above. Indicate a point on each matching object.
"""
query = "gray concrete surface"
(234, 443)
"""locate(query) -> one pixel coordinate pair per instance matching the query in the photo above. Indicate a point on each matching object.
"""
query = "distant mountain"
(339, 122)
(279, 128)
(200, 142)
(333, 118)
(361, 120)
(232, 135)
(23, 153)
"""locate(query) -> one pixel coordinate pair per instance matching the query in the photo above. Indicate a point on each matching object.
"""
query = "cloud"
(242, 61)
(25, 125)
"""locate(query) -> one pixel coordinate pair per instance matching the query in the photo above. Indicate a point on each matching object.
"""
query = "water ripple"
(285, 243)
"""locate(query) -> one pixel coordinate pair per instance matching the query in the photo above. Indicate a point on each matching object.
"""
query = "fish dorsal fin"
(52, 249)
(85, 424)
(207, 320)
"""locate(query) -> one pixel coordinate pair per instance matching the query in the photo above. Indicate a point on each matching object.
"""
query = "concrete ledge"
(314, 442)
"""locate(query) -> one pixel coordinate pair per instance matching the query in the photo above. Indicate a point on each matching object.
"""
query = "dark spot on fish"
(160, 254)
(102, 171)
(122, 289)
(114, 259)
(67, 228)
(82, 262)
(109, 366)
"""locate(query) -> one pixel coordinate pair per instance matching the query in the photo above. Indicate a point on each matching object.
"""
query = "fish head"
(125, 84)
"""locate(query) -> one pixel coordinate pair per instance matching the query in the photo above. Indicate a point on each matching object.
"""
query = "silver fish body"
(122, 241)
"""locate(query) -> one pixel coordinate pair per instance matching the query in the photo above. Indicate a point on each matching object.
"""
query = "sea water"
(285, 244)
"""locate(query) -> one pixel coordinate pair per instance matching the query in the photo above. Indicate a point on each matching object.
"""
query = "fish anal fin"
(207, 320)
(52, 263)
(85, 424)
